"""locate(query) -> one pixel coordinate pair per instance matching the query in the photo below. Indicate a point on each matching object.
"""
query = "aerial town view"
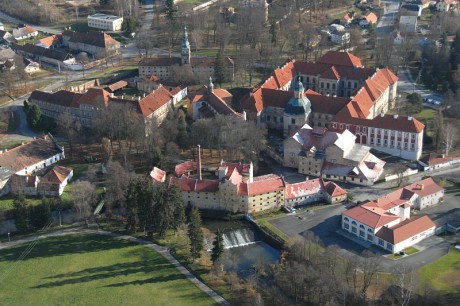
(230, 152)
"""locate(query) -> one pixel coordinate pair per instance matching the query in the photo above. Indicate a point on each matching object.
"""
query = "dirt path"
(160, 249)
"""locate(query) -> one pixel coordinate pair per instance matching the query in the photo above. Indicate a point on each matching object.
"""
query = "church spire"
(298, 87)
(185, 53)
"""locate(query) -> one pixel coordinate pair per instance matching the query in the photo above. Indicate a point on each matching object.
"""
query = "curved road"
(160, 249)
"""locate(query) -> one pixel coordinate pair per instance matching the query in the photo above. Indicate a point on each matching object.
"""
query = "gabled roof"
(406, 229)
(188, 184)
(93, 38)
(308, 187)
(117, 85)
(29, 154)
(41, 51)
(371, 18)
(340, 58)
(334, 190)
(424, 187)
(153, 101)
(261, 184)
(51, 40)
(61, 97)
(57, 175)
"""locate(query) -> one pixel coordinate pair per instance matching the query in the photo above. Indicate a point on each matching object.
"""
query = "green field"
(93, 270)
(444, 274)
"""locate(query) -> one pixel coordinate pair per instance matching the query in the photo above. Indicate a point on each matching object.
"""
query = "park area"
(89, 269)
(444, 274)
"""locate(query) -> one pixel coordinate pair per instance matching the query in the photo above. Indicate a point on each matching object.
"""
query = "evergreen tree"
(220, 73)
(33, 115)
(40, 215)
(143, 194)
(218, 248)
(167, 206)
(170, 10)
(195, 233)
(21, 214)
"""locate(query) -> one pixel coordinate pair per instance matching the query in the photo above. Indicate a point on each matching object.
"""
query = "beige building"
(95, 43)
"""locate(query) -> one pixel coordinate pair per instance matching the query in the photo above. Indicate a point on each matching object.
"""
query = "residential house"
(330, 155)
(408, 24)
(369, 19)
(386, 221)
(347, 18)
(52, 183)
(6, 37)
(28, 158)
(30, 66)
(340, 37)
(50, 42)
(180, 69)
(149, 83)
(24, 31)
(105, 22)
(158, 175)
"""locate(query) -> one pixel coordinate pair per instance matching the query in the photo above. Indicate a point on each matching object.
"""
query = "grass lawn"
(427, 116)
(444, 273)
(93, 270)
(6, 202)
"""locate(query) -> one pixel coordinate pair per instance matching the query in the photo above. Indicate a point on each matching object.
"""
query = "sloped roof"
(340, 58)
(45, 52)
(261, 184)
(406, 229)
(153, 101)
(51, 40)
(95, 97)
(308, 187)
(61, 97)
(117, 85)
(333, 189)
(94, 38)
(188, 184)
(158, 175)
(371, 18)
(160, 61)
(56, 175)
(424, 187)
(185, 167)
(29, 154)
(375, 217)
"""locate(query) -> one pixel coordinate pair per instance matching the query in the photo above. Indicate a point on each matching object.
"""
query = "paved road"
(11, 19)
(160, 249)
(386, 23)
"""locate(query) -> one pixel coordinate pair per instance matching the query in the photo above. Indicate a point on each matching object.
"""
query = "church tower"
(185, 52)
(297, 110)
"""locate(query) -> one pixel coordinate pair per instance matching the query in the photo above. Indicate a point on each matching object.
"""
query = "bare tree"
(450, 138)
(84, 197)
(370, 265)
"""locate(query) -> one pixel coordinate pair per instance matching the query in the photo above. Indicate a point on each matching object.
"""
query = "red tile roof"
(261, 184)
(374, 217)
(95, 97)
(188, 184)
(51, 40)
(406, 229)
(331, 74)
(308, 187)
(153, 101)
(185, 167)
(334, 190)
(388, 122)
(340, 58)
(56, 175)
(371, 18)
(117, 85)
(436, 159)
(158, 175)
(424, 187)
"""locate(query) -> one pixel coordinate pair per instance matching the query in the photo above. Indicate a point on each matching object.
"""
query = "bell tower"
(185, 52)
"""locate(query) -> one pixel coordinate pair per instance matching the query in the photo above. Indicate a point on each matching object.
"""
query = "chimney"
(409, 118)
(422, 186)
(396, 116)
(144, 94)
(122, 97)
(199, 163)
(251, 173)
(244, 116)
(138, 98)
(111, 95)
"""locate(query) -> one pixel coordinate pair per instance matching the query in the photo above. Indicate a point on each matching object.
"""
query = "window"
(354, 223)
(361, 226)
(361, 233)
(293, 121)
(327, 85)
(341, 126)
(268, 118)
(353, 229)
(333, 86)
(357, 129)
(349, 84)
(381, 242)
(356, 84)
(322, 84)
(364, 129)
(346, 219)
(308, 79)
